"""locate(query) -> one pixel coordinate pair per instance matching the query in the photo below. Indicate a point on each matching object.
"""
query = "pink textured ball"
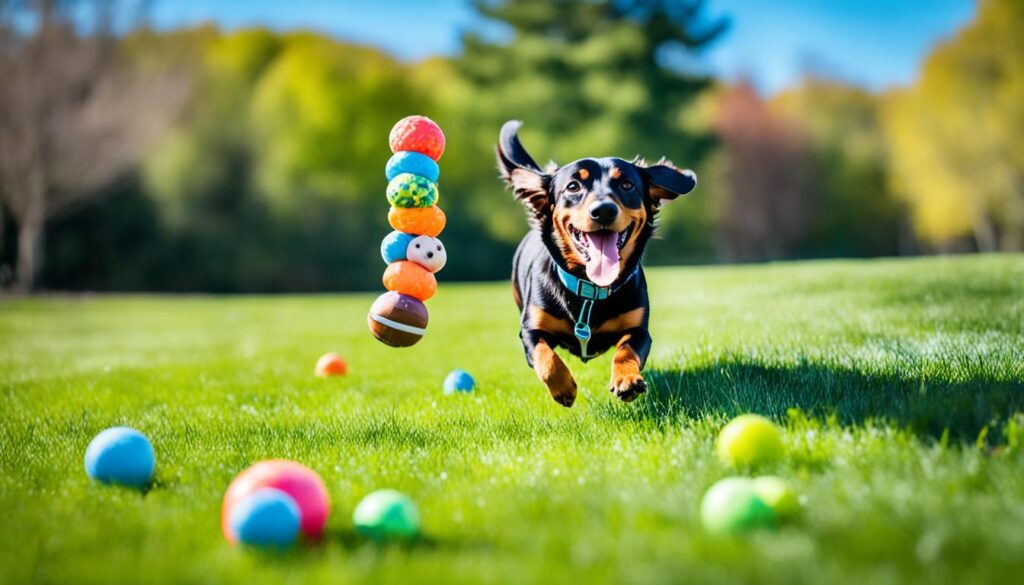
(294, 479)
(418, 134)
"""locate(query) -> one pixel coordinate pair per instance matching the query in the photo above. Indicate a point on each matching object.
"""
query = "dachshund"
(576, 275)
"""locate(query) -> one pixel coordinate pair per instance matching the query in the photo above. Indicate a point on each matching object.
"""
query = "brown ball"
(397, 320)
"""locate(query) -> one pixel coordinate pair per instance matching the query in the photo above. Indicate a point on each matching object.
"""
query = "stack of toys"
(412, 252)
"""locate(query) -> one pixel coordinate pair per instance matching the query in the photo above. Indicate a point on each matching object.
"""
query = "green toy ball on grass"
(781, 498)
(732, 506)
(387, 515)
(750, 440)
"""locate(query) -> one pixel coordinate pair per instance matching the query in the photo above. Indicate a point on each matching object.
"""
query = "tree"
(853, 210)
(72, 118)
(766, 207)
(955, 137)
(588, 77)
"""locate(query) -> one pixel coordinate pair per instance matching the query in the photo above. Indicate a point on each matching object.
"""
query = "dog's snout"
(604, 212)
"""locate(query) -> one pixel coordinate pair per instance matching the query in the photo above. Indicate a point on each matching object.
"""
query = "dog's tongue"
(603, 267)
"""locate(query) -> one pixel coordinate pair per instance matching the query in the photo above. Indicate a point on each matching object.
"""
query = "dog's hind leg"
(630, 354)
(549, 367)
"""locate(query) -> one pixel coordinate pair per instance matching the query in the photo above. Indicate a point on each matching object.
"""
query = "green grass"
(899, 385)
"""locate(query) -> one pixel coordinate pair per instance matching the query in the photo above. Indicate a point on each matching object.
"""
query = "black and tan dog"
(576, 275)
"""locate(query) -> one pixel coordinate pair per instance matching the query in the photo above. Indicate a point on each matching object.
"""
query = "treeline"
(270, 176)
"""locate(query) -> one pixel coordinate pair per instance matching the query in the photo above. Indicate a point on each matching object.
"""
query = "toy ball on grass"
(409, 278)
(395, 246)
(750, 440)
(419, 221)
(268, 517)
(781, 498)
(407, 161)
(458, 381)
(428, 252)
(732, 506)
(418, 134)
(397, 320)
(408, 190)
(387, 515)
(120, 455)
(331, 364)
(299, 482)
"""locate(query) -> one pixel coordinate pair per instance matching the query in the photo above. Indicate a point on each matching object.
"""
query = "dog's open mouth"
(600, 252)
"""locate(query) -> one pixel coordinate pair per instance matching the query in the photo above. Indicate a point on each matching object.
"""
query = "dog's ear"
(665, 182)
(519, 171)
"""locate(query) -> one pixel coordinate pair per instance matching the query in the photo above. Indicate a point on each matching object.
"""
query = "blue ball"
(266, 517)
(458, 381)
(406, 161)
(393, 247)
(120, 455)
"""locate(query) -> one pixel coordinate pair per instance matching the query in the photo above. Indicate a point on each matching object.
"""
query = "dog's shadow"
(926, 406)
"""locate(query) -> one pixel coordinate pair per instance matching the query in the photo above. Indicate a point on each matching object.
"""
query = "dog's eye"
(626, 185)
(573, 187)
(417, 246)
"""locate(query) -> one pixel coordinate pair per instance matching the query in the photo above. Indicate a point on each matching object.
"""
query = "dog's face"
(595, 215)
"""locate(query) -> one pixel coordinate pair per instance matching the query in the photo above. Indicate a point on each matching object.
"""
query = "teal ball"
(459, 381)
(120, 455)
(268, 517)
(393, 247)
(407, 161)
(409, 190)
(387, 515)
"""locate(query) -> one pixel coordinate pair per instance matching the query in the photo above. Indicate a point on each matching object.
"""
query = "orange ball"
(418, 221)
(409, 278)
(331, 364)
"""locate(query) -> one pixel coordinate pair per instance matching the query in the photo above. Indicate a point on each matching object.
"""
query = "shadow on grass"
(925, 406)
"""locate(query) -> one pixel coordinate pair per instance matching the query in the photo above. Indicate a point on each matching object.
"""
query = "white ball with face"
(428, 252)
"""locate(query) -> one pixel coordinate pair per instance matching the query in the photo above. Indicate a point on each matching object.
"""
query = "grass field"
(899, 385)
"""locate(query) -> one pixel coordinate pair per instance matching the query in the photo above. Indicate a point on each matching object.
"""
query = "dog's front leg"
(630, 355)
(549, 367)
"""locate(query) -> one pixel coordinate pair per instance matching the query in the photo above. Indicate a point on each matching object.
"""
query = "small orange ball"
(418, 221)
(409, 278)
(331, 364)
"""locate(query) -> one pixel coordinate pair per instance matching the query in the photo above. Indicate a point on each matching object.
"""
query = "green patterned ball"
(409, 190)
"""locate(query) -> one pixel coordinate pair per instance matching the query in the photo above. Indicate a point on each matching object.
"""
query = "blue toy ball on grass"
(266, 518)
(407, 161)
(459, 381)
(394, 245)
(120, 455)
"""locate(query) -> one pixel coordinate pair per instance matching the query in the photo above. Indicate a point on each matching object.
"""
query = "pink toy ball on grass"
(417, 134)
(299, 482)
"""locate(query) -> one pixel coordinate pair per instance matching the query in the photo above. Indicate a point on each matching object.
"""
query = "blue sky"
(875, 43)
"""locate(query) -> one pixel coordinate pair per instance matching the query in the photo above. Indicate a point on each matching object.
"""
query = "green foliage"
(957, 149)
(854, 213)
(862, 364)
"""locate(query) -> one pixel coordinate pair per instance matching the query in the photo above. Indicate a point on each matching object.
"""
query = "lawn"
(899, 384)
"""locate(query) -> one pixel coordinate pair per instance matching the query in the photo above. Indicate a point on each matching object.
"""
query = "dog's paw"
(627, 387)
(563, 388)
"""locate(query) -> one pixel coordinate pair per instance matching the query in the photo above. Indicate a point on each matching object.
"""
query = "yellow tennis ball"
(750, 440)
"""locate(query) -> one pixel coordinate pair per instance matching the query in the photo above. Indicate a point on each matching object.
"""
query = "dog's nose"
(430, 254)
(604, 212)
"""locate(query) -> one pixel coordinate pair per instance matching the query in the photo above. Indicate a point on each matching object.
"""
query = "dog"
(576, 275)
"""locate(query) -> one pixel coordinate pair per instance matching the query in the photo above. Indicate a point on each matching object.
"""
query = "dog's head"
(595, 214)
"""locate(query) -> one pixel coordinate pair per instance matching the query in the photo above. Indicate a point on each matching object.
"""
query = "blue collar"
(588, 290)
